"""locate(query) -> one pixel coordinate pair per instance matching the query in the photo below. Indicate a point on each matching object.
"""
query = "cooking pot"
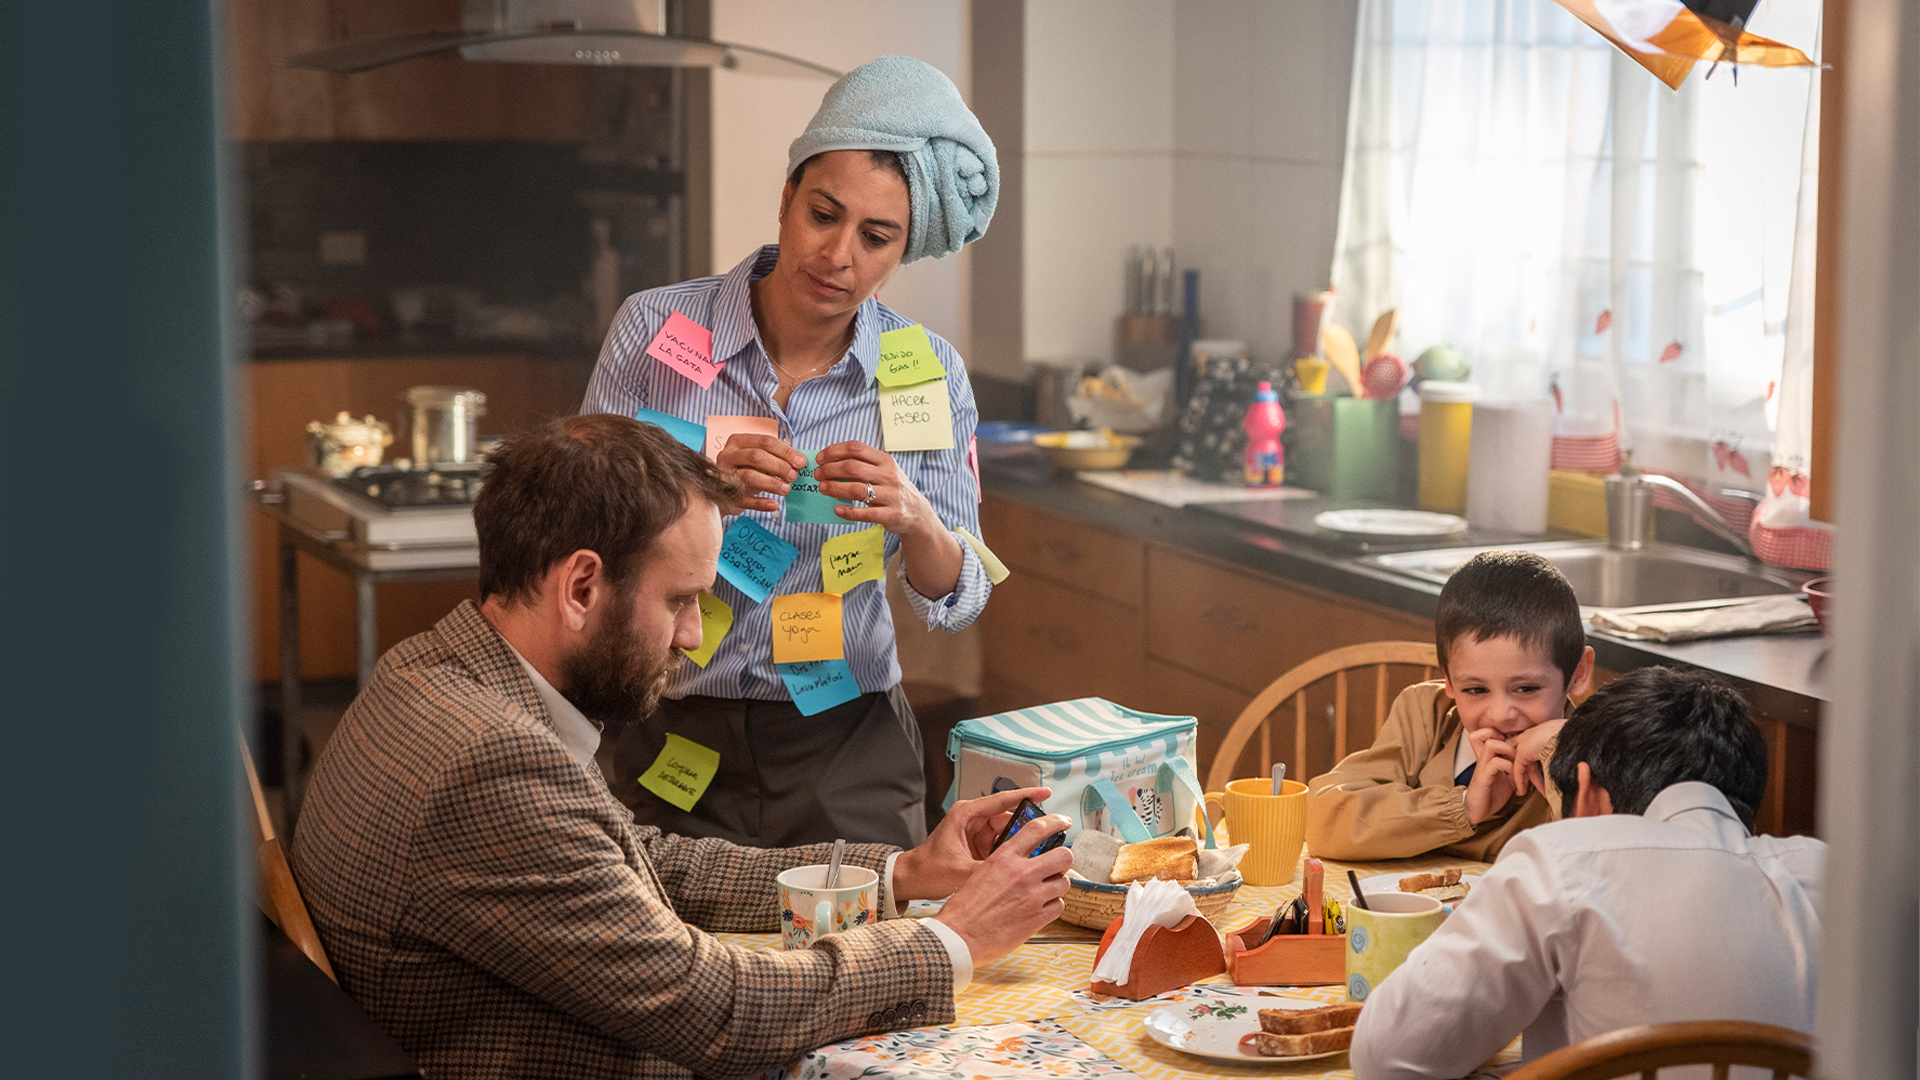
(445, 422)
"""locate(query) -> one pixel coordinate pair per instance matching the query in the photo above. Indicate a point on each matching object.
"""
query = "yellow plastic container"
(1446, 428)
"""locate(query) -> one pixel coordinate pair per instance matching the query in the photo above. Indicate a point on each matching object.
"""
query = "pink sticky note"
(973, 464)
(722, 428)
(686, 347)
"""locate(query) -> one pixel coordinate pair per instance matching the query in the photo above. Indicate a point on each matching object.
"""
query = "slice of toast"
(1423, 882)
(1308, 1021)
(1317, 1042)
(1170, 857)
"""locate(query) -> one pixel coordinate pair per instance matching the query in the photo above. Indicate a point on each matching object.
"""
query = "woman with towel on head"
(893, 168)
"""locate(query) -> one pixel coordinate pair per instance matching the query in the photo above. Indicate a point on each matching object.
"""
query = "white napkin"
(1149, 903)
(1768, 615)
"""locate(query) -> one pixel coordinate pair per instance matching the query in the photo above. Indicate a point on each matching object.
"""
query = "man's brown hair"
(604, 483)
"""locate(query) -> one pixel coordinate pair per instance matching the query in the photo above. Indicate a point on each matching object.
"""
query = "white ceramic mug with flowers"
(810, 911)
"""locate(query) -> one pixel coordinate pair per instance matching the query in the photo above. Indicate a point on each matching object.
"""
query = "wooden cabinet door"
(1086, 558)
(1061, 643)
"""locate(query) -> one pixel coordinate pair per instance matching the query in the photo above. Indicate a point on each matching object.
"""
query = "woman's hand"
(765, 465)
(862, 474)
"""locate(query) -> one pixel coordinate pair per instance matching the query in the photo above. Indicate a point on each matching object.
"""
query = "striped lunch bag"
(1113, 770)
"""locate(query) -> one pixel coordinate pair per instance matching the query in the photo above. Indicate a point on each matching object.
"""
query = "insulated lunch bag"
(1112, 770)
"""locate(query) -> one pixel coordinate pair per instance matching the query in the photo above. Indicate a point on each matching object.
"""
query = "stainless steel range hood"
(604, 32)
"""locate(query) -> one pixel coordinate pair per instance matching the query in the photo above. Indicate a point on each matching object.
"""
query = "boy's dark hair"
(1514, 594)
(604, 483)
(1660, 726)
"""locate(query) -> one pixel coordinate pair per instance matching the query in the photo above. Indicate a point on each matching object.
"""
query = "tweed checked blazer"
(484, 896)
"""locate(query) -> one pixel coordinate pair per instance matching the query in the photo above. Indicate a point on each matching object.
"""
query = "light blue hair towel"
(905, 105)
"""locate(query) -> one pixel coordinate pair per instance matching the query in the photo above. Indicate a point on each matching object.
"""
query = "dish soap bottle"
(1264, 423)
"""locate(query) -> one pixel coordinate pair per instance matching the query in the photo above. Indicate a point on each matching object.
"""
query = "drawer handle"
(1056, 638)
(1056, 552)
(1228, 619)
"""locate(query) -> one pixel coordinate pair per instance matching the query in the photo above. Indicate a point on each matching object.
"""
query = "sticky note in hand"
(997, 571)
(806, 626)
(752, 559)
(722, 428)
(805, 503)
(681, 773)
(818, 685)
(906, 358)
(686, 347)
(851, 558)
(917, 417)
(716, 618)
(689, 433)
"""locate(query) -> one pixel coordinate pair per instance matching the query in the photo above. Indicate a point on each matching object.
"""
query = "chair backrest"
(1258, 716)
(279, 894)
(1647, 1049)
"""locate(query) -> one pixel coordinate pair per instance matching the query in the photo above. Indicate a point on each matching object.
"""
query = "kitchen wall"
(755, 118)
(1216, 126)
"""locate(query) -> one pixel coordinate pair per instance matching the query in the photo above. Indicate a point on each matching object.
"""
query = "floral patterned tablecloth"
(1029, 1014)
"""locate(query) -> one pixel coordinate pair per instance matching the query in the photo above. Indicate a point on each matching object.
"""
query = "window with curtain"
(1518, 187)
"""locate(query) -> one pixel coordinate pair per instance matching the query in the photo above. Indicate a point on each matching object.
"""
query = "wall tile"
(1100, 75)
(1216, 62)
(1295, 212)
(1299, 88)
(1083, 212)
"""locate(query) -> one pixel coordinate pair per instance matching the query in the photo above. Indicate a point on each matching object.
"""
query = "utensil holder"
(1166, 959)
(1286, 959)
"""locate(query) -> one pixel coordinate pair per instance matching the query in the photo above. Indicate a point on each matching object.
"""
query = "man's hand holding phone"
(1026, 813)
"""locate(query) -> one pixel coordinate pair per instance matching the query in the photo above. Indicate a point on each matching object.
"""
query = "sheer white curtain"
(1517, 187)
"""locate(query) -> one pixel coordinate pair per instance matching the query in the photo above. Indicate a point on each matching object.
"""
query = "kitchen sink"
(1603, 577)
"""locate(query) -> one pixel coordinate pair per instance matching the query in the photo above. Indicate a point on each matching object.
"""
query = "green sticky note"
(906, 358)
(681, 773)
(851, 558)
(716, 618)
(997, 571)
(806, 503)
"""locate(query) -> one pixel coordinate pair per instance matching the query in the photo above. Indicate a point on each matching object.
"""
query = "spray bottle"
(1265, 421)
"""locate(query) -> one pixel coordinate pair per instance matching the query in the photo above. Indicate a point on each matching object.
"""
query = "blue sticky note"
(686, 431)
(806, 505)
(819, 685)
(752, 559)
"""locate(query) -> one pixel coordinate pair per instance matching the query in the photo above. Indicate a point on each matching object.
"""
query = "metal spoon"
(1279, 776)
(833, 864)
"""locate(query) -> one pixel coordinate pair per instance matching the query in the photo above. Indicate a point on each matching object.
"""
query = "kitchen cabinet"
(283, 395)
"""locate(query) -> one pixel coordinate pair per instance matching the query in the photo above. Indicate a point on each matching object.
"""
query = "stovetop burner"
(400, 489)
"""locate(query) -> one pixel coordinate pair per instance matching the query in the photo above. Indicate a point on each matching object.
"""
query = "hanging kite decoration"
(1667, 37)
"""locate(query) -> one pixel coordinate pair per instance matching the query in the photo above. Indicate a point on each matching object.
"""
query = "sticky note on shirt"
(849, 559)
(716, 618)
(752, 559)
(997, 571)
(689, 433)
(806, 626)
(818, 685)
(686, 347)
(806, 504)
(916, 417)
(906, 358)
(681, 773)
(973, 466)
(722, 428)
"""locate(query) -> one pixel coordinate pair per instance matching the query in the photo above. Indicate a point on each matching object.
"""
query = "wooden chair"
(1294, 684)
(1652, 1047)
(279, 895)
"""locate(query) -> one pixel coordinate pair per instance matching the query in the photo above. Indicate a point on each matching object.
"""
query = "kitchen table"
(1029, 1015)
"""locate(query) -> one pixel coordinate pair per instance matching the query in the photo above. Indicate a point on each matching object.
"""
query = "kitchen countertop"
(1784, 676)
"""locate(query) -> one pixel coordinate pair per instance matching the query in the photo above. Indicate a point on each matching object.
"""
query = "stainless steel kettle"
(444, 424)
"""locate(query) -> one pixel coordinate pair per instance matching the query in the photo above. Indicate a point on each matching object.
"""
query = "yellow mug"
(1276, 826)
(1312, 373)
(1380, 936)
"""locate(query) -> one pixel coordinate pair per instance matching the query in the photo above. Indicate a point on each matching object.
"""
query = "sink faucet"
(1630, 509)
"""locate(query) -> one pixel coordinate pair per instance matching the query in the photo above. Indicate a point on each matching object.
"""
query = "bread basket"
(1095, 904)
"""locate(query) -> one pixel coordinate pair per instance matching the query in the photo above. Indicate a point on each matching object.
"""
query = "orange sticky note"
(686, 347)
(806, 626)
(722, 428)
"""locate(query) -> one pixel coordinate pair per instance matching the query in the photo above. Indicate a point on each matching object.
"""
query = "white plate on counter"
(1213, 1029)
(1389, 524)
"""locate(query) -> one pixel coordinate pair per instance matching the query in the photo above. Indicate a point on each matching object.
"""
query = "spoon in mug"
(833, 864)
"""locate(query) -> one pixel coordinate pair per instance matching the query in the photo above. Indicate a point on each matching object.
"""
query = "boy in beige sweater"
(1454, 767)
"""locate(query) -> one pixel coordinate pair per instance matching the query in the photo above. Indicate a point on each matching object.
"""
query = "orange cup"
(1275, 826)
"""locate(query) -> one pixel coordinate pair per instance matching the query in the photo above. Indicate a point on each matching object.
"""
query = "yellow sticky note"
(716, 618)
(681, 773)
(906, 358)
(849, 559)
(806, 626)
(916, 417)
(997, 571)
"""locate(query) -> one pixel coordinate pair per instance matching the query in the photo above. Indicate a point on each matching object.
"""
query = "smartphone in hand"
(1028, 810)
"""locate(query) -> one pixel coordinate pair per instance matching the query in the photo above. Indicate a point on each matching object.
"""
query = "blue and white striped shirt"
(838, 406)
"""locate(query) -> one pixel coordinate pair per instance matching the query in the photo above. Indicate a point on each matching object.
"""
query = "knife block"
(1286, 960)
(1166, 959)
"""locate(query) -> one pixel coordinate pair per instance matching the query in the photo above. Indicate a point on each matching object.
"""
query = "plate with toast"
(1266, 1030)
(1449, 886)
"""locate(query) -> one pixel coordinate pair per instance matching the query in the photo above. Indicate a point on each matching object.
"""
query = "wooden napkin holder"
(1286, 959)
(1166, 959)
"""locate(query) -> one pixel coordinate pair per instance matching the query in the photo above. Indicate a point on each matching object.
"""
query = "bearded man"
(484, 896)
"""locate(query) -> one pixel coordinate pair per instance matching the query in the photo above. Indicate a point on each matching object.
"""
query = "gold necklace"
(804, 376)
